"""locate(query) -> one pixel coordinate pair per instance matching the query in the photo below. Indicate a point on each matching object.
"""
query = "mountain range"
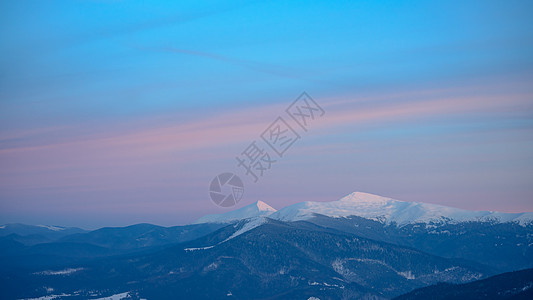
(372, 207)
(362, 246)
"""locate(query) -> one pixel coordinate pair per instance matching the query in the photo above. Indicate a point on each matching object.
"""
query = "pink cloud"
(117, 153)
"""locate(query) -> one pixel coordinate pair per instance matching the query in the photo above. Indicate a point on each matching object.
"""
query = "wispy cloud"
(199, 139)
(260, 67)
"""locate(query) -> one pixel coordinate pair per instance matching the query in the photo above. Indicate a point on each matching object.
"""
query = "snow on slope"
(257, 209)
(245, 226)
(249, 225)
(120, 296)
(53, 228)
(389, 210)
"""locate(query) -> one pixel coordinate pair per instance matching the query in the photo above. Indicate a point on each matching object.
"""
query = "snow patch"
(201, 248)
(115, 297)
(49, 297)
(53, 228)
(407, 275)
(60, 272)
(325, 284)
(213, 266)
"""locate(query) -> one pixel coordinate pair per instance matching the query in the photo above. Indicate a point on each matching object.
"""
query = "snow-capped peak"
(392, 211)
(262, 206)
(253, 210)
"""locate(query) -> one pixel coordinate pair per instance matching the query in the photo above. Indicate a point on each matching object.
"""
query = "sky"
(121, 112)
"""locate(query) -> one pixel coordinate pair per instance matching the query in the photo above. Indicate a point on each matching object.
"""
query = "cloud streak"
(201, 139)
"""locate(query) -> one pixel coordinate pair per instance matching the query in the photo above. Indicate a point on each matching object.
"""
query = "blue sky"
(117, 112)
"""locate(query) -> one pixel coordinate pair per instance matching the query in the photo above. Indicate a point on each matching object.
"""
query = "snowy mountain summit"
(368, 206)
(389, 211)
(257, 209)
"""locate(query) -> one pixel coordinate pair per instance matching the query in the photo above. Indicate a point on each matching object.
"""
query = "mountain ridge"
(373, 207)
(256, 209)
(390, 211)
(251, 253)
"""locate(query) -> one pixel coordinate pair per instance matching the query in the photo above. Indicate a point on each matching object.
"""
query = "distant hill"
(35, 234)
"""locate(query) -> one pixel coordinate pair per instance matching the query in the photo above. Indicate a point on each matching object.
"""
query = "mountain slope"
(504, 246)
(275, 260)
(512, 285)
